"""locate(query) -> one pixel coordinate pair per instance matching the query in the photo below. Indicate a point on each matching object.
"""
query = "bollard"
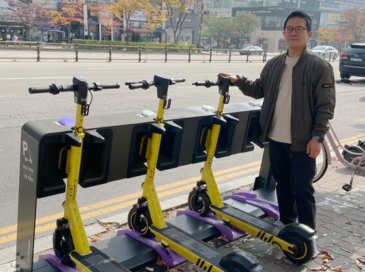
(210, 55)
(165, 54)
(110, 53)
(38, 52)
(139, 53)
(265, 56)
(230, 53)
(329, 59)
(189, 55)
(77, 52)
(247, 52)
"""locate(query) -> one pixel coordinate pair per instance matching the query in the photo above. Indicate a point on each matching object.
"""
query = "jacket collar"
(303, 56)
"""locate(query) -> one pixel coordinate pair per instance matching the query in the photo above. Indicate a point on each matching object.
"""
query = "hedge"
(132, 46)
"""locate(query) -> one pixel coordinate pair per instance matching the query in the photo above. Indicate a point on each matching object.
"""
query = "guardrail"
(78, 52)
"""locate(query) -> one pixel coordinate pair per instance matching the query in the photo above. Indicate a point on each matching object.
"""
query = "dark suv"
(352, 62)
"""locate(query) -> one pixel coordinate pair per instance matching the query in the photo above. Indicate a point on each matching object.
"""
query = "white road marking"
(116, 68)
(20, 78)
(352, 93)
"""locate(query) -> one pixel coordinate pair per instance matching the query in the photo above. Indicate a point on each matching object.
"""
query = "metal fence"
(63, 51)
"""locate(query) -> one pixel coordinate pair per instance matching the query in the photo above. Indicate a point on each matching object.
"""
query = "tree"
(126, 8)
(245, 23)
(326, 35)
(70, 12)
(343, 39)
(218, 26)
(178, 9)
(28, 13)
(106, 18)
(356, 24)
(155, 15)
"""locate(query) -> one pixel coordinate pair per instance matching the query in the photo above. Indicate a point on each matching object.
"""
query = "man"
(299, 93)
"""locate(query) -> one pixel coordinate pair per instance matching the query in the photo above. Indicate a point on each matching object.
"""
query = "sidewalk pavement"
(340, 229)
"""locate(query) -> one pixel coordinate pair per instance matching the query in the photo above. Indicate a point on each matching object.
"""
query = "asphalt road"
(17, 106)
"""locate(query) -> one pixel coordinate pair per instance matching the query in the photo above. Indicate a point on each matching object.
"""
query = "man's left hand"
(313, 148)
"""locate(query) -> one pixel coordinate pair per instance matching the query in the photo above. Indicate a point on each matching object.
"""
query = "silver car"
(250, 50)
(326, 51)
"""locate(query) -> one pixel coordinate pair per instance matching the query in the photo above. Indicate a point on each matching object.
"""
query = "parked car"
(326, 51)
(250, 50)
(247, 45)
(352, 61)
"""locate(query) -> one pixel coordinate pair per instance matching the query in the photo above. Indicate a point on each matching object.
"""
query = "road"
(17, 106)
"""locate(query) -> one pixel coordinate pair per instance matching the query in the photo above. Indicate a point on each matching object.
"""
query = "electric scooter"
(296, 240)
(146, 217)
(70, 242)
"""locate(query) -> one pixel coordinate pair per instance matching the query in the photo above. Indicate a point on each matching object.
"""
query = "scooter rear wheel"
(202, 205)
(303, 251)
(141, 224)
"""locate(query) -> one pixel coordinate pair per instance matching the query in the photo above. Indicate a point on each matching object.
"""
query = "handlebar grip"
(178, 80)
(136, 86)
(199, 83)
(34, 90)
(111, 86)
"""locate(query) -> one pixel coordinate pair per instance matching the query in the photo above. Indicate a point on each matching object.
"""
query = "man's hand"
(313, 148)
(233, 79)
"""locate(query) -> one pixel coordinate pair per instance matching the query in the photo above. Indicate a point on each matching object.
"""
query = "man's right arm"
(254, 89)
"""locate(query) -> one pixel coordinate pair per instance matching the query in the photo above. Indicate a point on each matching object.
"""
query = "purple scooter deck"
(171, 259)
(56, 262)
(270, 207)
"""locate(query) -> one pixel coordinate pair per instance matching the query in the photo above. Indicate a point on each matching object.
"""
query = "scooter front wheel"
(140, 223)
(303, 251)
(200, 204)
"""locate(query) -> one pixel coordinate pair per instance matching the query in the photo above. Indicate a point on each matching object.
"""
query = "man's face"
(294, 39)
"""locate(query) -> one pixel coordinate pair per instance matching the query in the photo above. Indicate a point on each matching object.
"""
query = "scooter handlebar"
(207, 83)
(178, 80)
(55, 89)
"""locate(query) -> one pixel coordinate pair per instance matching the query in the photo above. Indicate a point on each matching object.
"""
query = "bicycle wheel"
(321, 164)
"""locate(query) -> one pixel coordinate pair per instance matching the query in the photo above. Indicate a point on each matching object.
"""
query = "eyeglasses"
(298, 29)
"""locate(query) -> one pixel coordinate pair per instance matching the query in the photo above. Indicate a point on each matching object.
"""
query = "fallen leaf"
(361, 261)
(319, 269)
(149, 268)
(161, 263)
(195, 269)
(226, 246)
(337, 269)
(287, 261)
(326, 257)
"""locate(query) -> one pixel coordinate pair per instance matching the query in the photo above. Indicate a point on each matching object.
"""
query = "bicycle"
(353, 160)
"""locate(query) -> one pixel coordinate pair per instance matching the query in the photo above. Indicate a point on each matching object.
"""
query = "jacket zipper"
(272, 110)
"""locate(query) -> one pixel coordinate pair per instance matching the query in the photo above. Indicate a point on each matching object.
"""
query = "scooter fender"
(300, 231)
(240, 261)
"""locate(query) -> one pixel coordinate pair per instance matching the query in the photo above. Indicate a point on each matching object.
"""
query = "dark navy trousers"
(293, 172)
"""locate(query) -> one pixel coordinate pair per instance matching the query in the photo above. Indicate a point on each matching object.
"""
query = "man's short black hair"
(300, 14)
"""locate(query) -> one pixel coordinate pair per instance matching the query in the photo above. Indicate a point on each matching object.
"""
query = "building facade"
(272, 14)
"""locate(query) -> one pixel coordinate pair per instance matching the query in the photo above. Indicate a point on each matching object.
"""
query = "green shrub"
(132, 46)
